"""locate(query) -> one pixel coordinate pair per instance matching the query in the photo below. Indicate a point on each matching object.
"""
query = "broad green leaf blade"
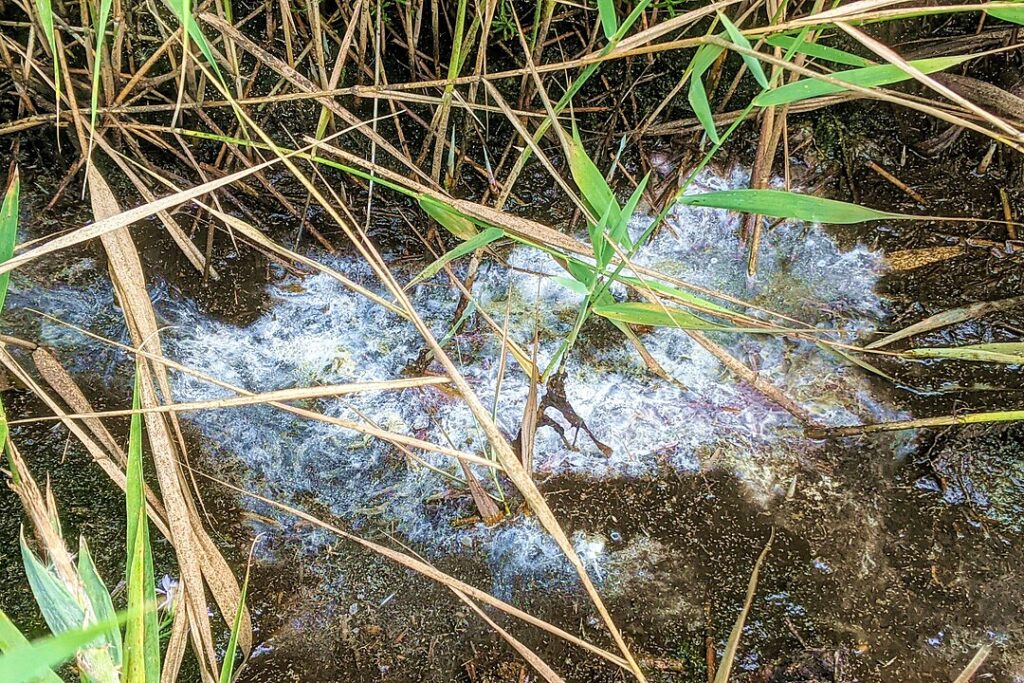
(620, 232)
(825, 52)
(590, 180)
(652, 315)
(599, 241)
(60, 610)
(481, 240)
(784, 204)
(99, 598)
(739, 39)
(1014, 15)
(35, 661)
(581, 272)
(142, 631)
(675, 293)
(11, 638)
(866, 77)
(227, 667)
(454, 222)
(45, 10)
(655, 315)
(8, 231)
(609, 22)
(697, 96)
(572, 285)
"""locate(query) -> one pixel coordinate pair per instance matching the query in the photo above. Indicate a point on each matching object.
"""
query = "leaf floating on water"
(909, 259)
(732, 646)
(782, 204)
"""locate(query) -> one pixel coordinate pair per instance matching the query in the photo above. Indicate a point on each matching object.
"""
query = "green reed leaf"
(784, 204)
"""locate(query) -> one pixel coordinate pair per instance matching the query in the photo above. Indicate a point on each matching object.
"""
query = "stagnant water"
(668, 495)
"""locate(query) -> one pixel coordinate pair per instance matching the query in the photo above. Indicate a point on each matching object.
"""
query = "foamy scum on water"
(317, 332)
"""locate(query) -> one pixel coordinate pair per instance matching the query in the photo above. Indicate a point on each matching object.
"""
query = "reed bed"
(435, 110)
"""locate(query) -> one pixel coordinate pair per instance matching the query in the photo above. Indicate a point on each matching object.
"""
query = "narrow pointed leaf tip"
(782, 204)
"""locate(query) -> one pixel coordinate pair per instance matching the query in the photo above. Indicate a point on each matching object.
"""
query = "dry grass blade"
(363, 428)
(732, 646)
(890, 56)
(506, 456)
(526, 653)
(303, 83)
(109, 456)
(976, 663)
(946, 318)
(296, 394)
(122, 219)
(430, 572)
(129, 284)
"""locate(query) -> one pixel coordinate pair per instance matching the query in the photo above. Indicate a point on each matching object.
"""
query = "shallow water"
(668, 516)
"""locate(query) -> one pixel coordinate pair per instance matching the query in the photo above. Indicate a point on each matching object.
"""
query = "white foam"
(317, 332)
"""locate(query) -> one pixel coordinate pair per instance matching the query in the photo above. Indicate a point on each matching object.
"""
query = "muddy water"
(879, 571)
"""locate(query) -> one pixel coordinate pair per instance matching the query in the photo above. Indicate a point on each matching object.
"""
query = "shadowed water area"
(668, 487)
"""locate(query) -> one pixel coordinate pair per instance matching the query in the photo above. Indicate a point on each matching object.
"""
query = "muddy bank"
(872, 573)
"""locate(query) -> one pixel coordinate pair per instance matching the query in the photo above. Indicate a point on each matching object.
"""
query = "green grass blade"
(674, 292)
(1014, 15)
(599, 240)
(609, 21)
(99, 598)
(45, 10)
(784, 204)
(454, 222)
(825, 52)
(590, 180)
(35, 661)
(697, 96)
(739, 39)
(620, 232)
(652, 315)
(11, 638)
(572, 285)
(182, 9)
(142, 631)
(479, 241)
(8, 231)
(656, 315)
(60, 610)
(866, 77)
(227, 667)
(100, 28)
